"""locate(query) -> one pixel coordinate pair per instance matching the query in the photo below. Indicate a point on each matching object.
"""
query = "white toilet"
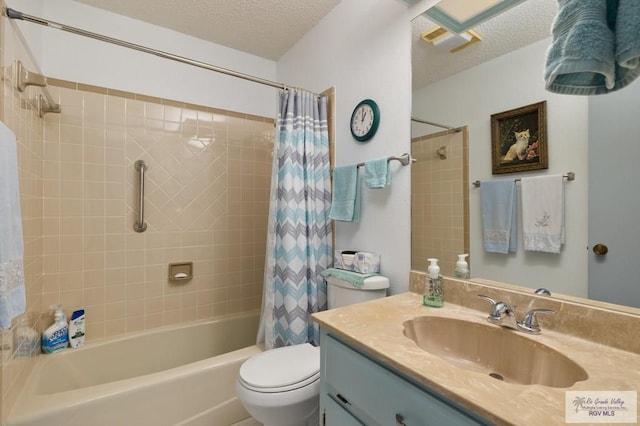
(281, 387)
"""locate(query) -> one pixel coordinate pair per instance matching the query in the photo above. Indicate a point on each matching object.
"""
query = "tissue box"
(363, 262)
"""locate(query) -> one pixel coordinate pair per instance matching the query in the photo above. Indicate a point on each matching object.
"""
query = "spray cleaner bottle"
(434, 287)
(56, 337)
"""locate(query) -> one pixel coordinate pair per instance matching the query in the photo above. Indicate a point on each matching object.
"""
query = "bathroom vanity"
(379, 365)
(356, 387)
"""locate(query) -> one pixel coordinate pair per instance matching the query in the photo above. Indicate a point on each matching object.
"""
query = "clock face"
(364, 120)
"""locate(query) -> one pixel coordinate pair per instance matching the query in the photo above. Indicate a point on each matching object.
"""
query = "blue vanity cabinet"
(356, 390)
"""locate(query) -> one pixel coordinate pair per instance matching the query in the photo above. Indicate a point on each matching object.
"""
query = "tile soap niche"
(181, 271)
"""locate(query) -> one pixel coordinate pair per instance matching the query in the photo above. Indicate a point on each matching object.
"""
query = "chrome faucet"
(501, 313)
(504, 315)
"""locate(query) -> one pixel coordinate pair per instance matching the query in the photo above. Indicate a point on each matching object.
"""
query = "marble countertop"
(376, 328)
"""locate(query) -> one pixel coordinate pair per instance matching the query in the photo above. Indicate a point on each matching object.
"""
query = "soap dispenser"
(26, 339)
(462, 268)
(434, 288)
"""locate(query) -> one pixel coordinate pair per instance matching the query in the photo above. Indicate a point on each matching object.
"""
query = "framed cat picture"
(519, 139)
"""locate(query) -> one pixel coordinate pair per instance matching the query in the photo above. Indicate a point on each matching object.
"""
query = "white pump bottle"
(462, 267)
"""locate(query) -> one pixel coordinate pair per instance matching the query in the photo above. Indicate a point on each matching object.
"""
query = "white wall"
(469, 98)
(71, 57)
(363, 48)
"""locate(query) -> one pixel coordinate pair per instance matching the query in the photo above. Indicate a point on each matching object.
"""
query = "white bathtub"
(181, 375)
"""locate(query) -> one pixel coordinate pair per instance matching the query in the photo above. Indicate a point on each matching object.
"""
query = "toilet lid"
(282, 367)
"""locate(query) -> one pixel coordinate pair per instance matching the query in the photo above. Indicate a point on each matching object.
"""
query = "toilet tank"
(342, 293)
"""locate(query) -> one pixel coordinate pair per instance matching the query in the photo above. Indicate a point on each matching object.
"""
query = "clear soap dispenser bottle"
(462, 267)
(434, 287)
(26, 339)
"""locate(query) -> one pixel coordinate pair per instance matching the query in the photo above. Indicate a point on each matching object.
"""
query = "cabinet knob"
(600, 249)
(400, 420)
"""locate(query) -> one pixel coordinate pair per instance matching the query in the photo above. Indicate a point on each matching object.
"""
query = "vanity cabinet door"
(334, 414)
(377, 396)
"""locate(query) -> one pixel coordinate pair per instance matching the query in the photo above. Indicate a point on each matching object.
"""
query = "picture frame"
(519, 139)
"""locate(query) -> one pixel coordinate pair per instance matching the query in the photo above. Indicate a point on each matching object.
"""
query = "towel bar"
(569, 177)
(405, 159)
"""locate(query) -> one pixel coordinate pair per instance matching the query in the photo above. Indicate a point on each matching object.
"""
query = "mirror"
(440, 182)
(502, 72)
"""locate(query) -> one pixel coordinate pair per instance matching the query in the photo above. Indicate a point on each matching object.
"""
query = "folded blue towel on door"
(580, 60)
(499, 226)
(345, 205)
(595, 47)
(376, 173)
(627, 31)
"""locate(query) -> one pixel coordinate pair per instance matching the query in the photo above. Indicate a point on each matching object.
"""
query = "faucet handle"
(499, 310)
(529, 322)
(487, 298)
(493, 314)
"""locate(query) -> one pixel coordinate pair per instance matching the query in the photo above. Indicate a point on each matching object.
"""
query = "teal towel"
(627, 34)
(355, 278)
(345, 205)
(594, 48)
(376, 173)
(499, 225)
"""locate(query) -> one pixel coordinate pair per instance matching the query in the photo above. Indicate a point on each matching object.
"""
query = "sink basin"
(503, 354)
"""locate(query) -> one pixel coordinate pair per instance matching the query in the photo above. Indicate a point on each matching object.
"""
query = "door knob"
(600, 249)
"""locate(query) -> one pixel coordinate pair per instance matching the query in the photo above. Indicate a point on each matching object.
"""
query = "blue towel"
(499, 216)
(12, 290)
(376, 173)
(345, 205)
(588, 45)
(627, 34)
(355, 278)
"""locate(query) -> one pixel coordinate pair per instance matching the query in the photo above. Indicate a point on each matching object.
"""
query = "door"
(614, 196)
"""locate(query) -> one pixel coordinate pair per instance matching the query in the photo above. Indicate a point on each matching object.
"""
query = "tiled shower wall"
(206, 202)
(207, 198)
(18, 112)
(439, 200)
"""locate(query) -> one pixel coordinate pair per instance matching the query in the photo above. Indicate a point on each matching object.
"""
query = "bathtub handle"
(140, 225)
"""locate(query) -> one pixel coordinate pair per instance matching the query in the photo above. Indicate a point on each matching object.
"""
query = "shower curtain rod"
(418, 120)
(14, 14)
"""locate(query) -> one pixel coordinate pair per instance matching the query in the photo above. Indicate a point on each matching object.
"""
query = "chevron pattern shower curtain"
(299, 233)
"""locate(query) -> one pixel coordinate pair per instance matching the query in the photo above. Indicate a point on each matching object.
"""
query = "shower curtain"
(299, 237)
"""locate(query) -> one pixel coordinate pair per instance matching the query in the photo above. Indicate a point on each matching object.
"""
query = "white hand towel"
(543, 213)
(12, 291)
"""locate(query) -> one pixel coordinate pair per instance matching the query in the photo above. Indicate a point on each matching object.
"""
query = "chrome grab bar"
(140, 225)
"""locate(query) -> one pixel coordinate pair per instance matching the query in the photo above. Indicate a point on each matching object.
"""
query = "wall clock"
(365, 120)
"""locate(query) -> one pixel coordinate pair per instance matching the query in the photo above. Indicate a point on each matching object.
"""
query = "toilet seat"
(282, 369)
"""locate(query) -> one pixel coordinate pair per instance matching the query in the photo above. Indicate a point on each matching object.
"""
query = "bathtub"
(182, 375)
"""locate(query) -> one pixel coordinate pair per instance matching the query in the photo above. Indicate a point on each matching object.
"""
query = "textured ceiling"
(517, 27)
(268, 28)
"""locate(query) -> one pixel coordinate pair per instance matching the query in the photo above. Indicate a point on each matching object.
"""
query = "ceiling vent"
(451, 42)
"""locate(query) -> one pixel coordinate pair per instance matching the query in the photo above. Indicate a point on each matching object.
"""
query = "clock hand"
(364, 114)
